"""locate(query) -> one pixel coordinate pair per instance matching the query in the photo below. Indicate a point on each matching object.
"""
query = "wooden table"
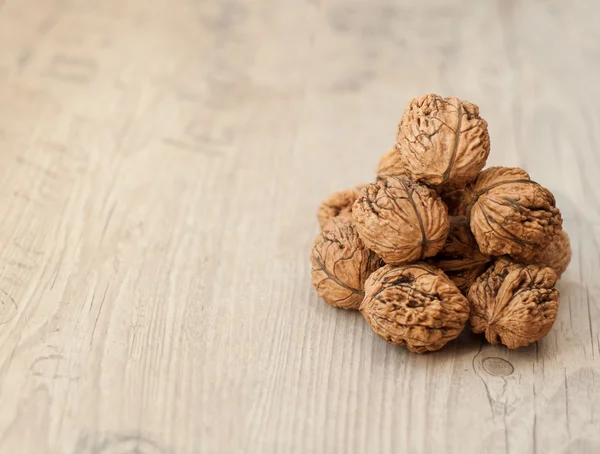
(160, 167)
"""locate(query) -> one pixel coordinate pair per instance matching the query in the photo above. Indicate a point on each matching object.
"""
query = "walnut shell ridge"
(557, 255)
(338, 204)
(402, 221)
(414, 305)
(460, 258)
(341, 264)
(514, 304)
(510, 214)
(443, 141)
(390, 164)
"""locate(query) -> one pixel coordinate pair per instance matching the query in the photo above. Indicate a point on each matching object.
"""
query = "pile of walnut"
(436, 241)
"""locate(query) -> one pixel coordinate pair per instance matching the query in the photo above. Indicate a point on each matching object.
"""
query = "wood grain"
(160, 168)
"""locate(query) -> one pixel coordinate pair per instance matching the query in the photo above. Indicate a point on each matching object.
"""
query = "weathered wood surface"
(160, 166)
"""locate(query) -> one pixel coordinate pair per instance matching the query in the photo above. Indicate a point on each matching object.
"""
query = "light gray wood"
(160, 167)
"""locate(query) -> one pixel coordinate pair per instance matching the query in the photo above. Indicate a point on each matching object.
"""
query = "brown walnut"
(390, 164)
(460, 258)
(510, 214)
(443, 140)
(414, 305)
(400, 220)
(557, 255)
(338, 204)
(341, 264)
(514, 304)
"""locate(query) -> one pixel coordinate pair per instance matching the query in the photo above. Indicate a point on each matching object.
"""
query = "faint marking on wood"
(8, 307)
(23, 58)
(47, 24)
(98, 314)
(475, 369)
(116, 443)
(497, 366)
(194, 148)
(107, 222)
(49, 173)
(19, 264)
(28, 199)
(52, 179)
(191, 97)
(73, 69)
(22, 245)
(49, 367)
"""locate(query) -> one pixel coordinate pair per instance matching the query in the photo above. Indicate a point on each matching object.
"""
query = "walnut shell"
(557, 254)
(414, 305)
(338, 204)
(510, 214)
(443, 140)
(460, 258)
(400, 220)
(341, 264)
(514, 304)
(390, 164)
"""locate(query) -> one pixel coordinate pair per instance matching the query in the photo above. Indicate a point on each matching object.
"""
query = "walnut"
(443, 140)
(414, 305)
(452, 197)
(390, 164)
(460, 257)
(400, 220)
(510, 214)
(338, 204)
(340, 264)
(557, 255)
(514, 304)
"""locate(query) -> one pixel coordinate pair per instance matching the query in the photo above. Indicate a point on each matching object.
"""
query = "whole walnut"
(514, 304)
(452, 197)
(402, 221)
(557, 255)
(390, 164)
(443, 140)
(341, 264)
(460, 258)
(338, 204)
(510, 214)
(414, 305)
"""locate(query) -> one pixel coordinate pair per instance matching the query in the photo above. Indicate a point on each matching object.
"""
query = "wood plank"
(160, 167)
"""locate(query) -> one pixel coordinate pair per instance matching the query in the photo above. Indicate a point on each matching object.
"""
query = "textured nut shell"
(338, 204)
(390, 164)
(460, 257)
(341, 264)
(510, 214)
(400, 220)
(414, 305)
(557, 254)
(443, 140)
(514, 304)
(490, 178)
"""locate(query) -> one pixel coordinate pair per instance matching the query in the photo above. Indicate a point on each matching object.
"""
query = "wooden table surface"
(160, 167)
